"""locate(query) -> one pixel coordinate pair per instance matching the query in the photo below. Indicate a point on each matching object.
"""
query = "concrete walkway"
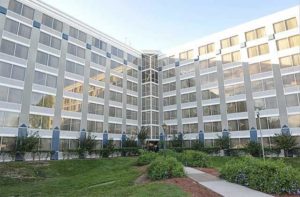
(221, 186)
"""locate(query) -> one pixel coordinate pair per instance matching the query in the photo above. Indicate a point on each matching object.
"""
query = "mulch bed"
(211, 171)
(192, 187)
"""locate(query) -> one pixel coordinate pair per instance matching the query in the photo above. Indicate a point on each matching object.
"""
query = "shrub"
(168, 152)
(145, 158)
(270, 176)
(194, 158)
(253, 148)
(164, 168)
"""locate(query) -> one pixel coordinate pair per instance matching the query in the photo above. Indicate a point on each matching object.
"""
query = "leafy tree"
(285, 142)
(253, 148)
(197, 145)
(87, 145)
(176, 142)
(223, 143)
(108, 148)
(129, 143)
(28, 143)
(143, 135)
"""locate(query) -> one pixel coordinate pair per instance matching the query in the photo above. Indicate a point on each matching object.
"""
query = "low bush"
(145, 158)
(164, 168)
(194, 158)
(273, 177)
(168, 152)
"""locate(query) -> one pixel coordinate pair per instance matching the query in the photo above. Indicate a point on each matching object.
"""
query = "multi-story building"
(57, 73)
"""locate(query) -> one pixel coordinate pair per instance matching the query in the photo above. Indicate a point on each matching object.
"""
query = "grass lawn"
(218, 162)
(104, 177)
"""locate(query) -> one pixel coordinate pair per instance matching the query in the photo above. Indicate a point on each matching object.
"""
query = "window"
(293, 121)
(47, 59)
(21, 9)
(115, 96)
(94, 108)
(187, 69)
(132, 72)
(12, 71)
(291, 80)
(116, 66)
(170, 100)
(40, 122)
(75, 68)
(265, 103)
(52, 23)
(189, 113)
(212, 127)
(187, 83)
(76, 50)
(11, 95)
(96, 91)
(211, 110)
(236, 107)
(228, 42)
(132, 86)
(204, 64)
(94, 126)
(238, 125)
(260, 67)
(255, 34)
(70, 124)
(263, 85)
(169, 73)
(73, 86)
(17, 28)
(132, 59)
(234, 73)
(231, 57)
(132, 115)
(45, 79)
(115, 128)
(116, 81)
(97, 75)
(268, 122)
(131, 130)
(210, 94)
(236, 89)
(169, 87)
(258, 50)
(72, 105)
(171, 129)
(98, 59)
(186, 55)
(190, 128)
(50, 41)
(75, 33)
(292, 100)
(186, 98)
(209, 48)
(290, 42)
(289, 61)
(42, 100)
(99, 44)
(285, 25)
(14, 49)
(115, 112)
(209, 78)
(131, 100)
(117, 52)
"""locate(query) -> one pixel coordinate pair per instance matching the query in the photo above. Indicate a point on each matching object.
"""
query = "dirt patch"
(192, 187)
(211, 171)
(287, 195)
(143, 179)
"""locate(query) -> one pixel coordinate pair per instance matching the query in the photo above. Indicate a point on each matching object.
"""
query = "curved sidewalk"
(221, 186)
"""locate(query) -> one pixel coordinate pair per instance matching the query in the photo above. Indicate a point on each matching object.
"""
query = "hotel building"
(57, 73)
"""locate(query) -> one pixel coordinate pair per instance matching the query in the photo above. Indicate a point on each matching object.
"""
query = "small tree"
(129, 143)
(285, 142)
(108, 148)
(87, 145)
(177, 141)
(28, 143)
(143, 135)
(197, 145)
(223, 143)
(253, 148)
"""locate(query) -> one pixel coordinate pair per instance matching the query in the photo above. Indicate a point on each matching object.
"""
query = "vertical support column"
(106, 90)
(105, 138)
(123, 139)
(161, 100)
(61, 78)
(29, 76)
(55, 143)
(253, 135)
(199, 97)
(124, 96)
(139, 96)
(178, 99)
(223, 106)
(3, 12)
(201, 137)
(85, 100)
(22, 133)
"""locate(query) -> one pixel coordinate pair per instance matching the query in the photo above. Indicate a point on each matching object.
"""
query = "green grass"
(218, 162)
(105, 177)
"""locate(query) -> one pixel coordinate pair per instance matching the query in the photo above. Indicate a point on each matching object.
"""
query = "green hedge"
(272, 177)
(145, 158)
(164, 168)
(194, 158)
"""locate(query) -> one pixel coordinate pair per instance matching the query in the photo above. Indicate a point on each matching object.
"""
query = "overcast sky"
(163, 24)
